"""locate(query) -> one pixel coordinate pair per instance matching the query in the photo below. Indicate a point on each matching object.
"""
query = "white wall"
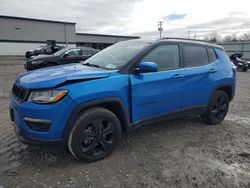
(12, 48)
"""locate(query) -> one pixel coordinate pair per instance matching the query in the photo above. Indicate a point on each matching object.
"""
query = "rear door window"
(194, 55)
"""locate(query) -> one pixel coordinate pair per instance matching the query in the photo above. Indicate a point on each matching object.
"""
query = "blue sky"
(174, 16)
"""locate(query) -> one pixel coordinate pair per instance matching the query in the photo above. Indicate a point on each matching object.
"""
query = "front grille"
(20, 94)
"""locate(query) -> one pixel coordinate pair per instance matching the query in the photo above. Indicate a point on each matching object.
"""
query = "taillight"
(233, 67)
(234, 70)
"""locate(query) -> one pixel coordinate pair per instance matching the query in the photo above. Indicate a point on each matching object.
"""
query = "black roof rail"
(185, 39)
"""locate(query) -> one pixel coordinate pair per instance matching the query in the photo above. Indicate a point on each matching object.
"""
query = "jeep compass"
(87, 106)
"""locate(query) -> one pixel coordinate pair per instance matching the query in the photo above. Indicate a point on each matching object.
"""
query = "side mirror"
(145, 67)
(65, 55)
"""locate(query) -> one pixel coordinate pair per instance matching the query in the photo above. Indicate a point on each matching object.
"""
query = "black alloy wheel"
(95, 135)
(217, 108)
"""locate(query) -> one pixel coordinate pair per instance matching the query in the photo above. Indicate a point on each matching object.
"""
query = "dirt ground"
(176, 153)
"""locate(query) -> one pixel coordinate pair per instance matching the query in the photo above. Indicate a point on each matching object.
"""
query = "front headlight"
(36, 62)
(47, 96)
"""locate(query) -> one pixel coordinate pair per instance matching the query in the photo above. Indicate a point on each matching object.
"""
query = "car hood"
(41, 56)
(53, 76)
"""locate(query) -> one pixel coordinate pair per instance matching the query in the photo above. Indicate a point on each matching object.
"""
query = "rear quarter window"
(212, 57)
(195, 55)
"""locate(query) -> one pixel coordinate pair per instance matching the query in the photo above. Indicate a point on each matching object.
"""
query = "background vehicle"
(46, 49)
(63, 56)
(238, 62)
(87, 106)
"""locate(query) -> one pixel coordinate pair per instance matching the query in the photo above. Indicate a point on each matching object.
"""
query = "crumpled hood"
(41, 56)
(30, 50)
(53, 76)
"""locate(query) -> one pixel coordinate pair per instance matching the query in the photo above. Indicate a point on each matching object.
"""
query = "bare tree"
(214, 36)
(227, 38)
(206, 38)
(234, 37)
(245, 36)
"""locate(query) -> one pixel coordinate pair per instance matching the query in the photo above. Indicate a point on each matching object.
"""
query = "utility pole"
(189, 34)
(160, 27)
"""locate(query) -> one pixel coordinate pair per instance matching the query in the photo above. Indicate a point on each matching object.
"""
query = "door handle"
(212, 71)
(176, 76)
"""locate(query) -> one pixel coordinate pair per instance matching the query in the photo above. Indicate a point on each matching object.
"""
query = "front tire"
(50, 64)
(217, 108)
(95, 135)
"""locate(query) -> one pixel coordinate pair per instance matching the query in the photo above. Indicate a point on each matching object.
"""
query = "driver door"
(158, 93)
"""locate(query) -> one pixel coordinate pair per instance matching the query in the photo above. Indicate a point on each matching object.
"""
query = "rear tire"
(244, 69)
(95, 135)
(217, 108)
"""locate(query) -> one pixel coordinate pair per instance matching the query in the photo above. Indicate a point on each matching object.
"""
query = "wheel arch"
(227, 88)
(113, 104)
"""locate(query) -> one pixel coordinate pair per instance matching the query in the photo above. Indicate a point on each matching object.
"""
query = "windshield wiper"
(91, 65)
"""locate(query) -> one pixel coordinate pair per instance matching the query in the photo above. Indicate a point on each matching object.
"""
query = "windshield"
(117, 55)
(60, 52)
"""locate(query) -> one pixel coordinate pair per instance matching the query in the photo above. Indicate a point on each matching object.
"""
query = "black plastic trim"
(194, 110)
(36, 141)
(150, 120)
(221, 86)
(97, 102)
(166, 116)
(40, 125)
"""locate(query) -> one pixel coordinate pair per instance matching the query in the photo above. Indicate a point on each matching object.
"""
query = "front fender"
(99, 102)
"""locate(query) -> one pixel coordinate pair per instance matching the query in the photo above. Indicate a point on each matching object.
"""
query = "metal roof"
(35, 19)
(104, 35)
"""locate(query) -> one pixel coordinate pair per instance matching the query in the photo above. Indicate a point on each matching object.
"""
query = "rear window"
(195, 55)
(211, 55)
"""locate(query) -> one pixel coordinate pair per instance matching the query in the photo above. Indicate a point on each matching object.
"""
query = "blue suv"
(87, 106)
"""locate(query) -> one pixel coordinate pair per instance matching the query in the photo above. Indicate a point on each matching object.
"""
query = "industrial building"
(237, 47)
(17, 35)
(99, 41)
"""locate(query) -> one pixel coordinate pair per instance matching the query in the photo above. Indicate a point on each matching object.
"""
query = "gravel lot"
(177, 153)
